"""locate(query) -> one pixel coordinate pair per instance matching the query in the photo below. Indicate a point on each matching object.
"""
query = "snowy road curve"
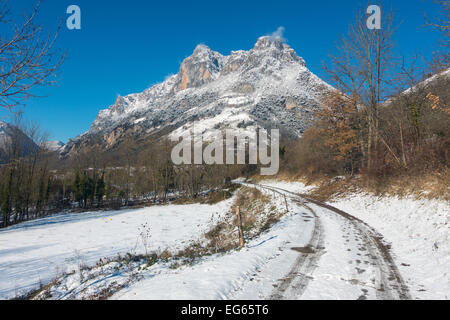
(314, 251)
(345, 259)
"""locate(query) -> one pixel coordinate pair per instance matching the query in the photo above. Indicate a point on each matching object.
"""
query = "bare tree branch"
(441, 23)
(362, 69)
(28, 58)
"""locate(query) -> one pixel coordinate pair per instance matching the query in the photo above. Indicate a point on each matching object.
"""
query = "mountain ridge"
(266, 86)
(14, 142)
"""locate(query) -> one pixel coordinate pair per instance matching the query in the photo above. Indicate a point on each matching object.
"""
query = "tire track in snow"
(389, 282)
(296, 281)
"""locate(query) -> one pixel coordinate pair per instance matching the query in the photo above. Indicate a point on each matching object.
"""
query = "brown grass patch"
(433, 185)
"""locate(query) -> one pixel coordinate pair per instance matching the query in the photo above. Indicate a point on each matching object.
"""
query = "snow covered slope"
(268, 86)
(54, 145)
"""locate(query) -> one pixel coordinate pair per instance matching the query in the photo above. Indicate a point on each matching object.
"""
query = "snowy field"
(258, 270)
(250, 273)
(35, 252)
(247, 273)
(418, 230)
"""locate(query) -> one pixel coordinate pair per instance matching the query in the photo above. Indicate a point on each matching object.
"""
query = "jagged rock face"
(200, 68)
(268, 86)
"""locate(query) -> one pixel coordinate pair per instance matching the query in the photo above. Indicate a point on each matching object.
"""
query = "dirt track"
(387, 280)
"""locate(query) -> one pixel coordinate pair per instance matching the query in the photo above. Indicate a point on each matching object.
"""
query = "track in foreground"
(371, 255)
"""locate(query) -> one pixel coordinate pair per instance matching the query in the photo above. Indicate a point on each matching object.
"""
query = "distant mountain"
(54, 145)
(425, 84)
(268, 86)
(429, 81)
(14, 143)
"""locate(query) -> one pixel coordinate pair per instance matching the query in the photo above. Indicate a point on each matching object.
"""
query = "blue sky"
(127, 46)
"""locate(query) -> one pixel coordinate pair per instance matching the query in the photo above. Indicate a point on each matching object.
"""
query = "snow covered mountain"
(268, 86)
(54, 145)
(14, 142)
(3, 128)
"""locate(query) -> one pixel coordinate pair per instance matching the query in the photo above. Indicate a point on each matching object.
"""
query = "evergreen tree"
(77, 188)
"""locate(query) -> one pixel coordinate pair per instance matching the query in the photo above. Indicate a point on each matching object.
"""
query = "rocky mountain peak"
(266, 42)
(267, 86)
(273, 47)
(119, 104)
(199, 68)
(201, 50)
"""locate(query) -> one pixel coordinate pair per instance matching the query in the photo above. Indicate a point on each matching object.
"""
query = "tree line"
(38, 183)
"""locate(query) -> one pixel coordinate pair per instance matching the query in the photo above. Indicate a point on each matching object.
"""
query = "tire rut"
(296, 281)
(389, 282)
(391, 285)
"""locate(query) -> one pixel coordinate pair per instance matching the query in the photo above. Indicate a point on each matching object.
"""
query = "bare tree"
(25, 174)
(28, 57)
(361, 69)
(441, 23)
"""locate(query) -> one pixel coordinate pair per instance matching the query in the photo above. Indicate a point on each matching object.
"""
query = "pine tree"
(77, 188)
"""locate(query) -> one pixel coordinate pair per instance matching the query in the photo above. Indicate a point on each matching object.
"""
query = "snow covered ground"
(419, 233)
(250, 273)
(418, 230)
(343, 264)
(270, 266)
(35, 252)
(292, 186)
